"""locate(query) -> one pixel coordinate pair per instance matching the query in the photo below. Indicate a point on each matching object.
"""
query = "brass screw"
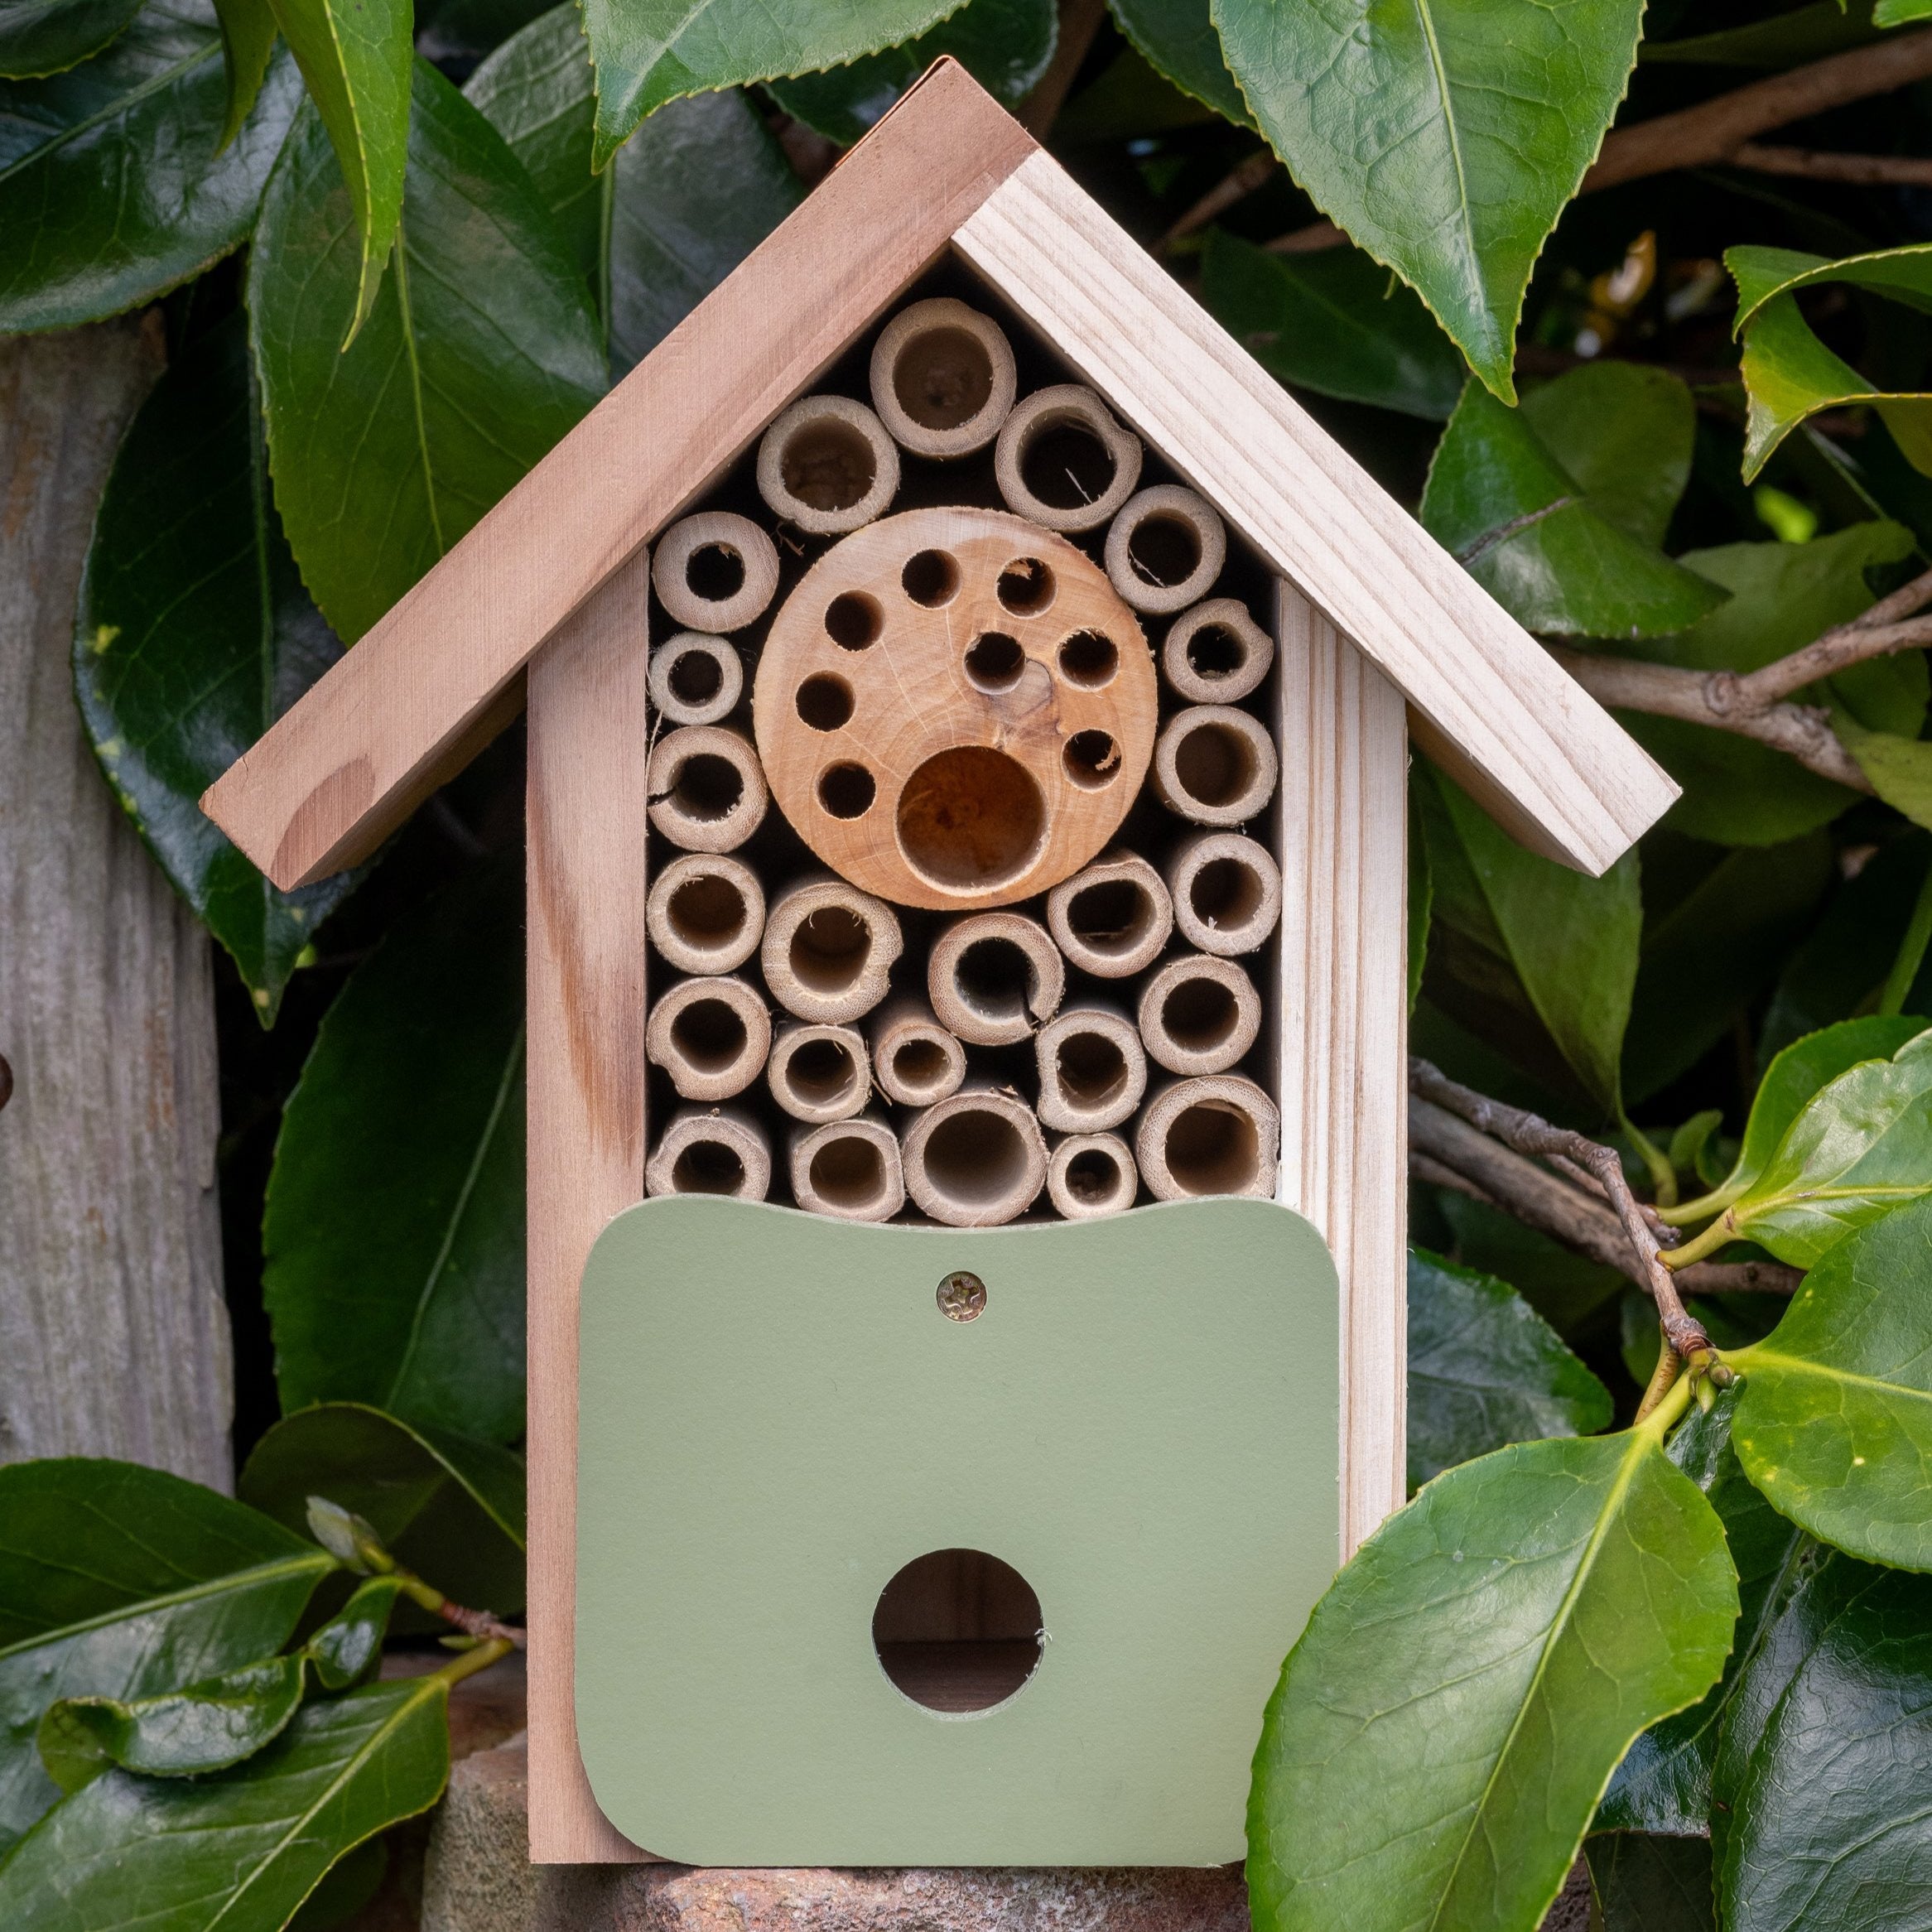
(962, 1297)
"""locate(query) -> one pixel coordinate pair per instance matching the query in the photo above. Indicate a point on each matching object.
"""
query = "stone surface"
(477, 1877)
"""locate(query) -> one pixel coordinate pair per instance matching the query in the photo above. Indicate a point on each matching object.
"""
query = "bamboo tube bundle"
(943, 377)
(1199, 1015)
(1227, 891)
(818, 1073)
(1214, 1135)
(706, 789)
(914, 1059)
(714, 571)
(827, 465)
(1165, 549)
(1062, 461)
(976, 1160)
(705, 912)
(828, 950)
(994, 977)
(850, 1169)
(695, 679)
(1113, 918)
(712, 1035)
(1093, 1069)
(1216, 653)
(1091, 1174)
(710, 1150)
(1214, 765)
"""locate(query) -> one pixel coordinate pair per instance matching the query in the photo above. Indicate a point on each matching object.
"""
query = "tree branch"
(1816, 164)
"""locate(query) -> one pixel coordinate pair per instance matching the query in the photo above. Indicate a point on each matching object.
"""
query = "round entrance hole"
(994, 661)
(1065, 465)
(1089, 659)
(846, 791)
(708, 1166)
(944, 378)
(829, 465)
(714, 572)
(853, 620)
(1026, 586)
(931, 578)
(824, 702)
(958, 1629)
(970, 817)
(708, 787)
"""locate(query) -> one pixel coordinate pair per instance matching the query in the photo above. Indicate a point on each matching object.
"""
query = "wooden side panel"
(586, 826)
(336, 774)
(1559, 772)
(1345, 1022)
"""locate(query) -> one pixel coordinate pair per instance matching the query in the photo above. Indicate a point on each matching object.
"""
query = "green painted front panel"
(775, 1417)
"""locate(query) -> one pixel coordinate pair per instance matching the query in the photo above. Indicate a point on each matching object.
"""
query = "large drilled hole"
(707, 1167)
(1112, 917)
(696, 677)
(708, 912)
(919, 1065)
(710, 1035)
(994, 978)
(994, 661)
(714, 571)
(1163, 550)
(1066, 466)
(1214, 763)
(1026, 586)
(1094, 1177)
(975, 1158)
(943, 378)
(1225, 893)
(828, 464)
(821, 1072)
(853, 620)
(1089, 660)
(958, 1631)
(970, 817)
(824, 702)
(1200, 1016)
(1213, 1148)
(830, 949)
(707, 788)
(1092, 1068)
(849, 1172)
(1215, 650)
(1091, 760)
(930, 577)
(846, 791)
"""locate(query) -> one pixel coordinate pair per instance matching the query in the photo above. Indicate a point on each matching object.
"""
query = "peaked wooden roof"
(441, 671)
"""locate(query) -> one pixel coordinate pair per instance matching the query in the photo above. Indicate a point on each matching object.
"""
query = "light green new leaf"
(1835, 1421)
(1900, 12)
(651, 51)
(1444, 139)
(39, 37)
(1625, 431)
(1178, 39)
(1900, 767)
(1445, 1726)
(349, 1647)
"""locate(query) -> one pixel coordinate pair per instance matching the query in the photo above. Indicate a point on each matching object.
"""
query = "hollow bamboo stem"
(694, 566)
(1215, 1134)
(850, 1169)
(695, 679)
(1165, 549)
(915, 1060)
(1227, 891)
(976, 1160)
(1214, 765)
(828, 950)
(1216, 653)
(1111, 919)
(705, 912)
(827, 465)
(706, 789)
(943, 377)
(712, 1035)
(1198, 1014)
(1061, 443)
(710, 1150)
(819, 1073)
(995, 977)
(1089, 1175)
(1093, 1069)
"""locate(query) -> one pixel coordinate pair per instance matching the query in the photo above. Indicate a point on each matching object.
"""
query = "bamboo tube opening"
(1199, 1015)
(943, 377)
(818, 1072)
(915, 1060)
(827, 950)
(1092, 1069)
(1112, 918)
(850, 1169)
(714, 571)
(705, 913)
(1063, 460)
(695, 679)
(1216, 653)
(706, 789)
(976, 1160)
(1165, 549)
(710, 1035)
(1214, 765)
(1091, 1174)
(718, 1150)
(1226, 892)
(826, 465)
(1217, 1135)
(993, 977)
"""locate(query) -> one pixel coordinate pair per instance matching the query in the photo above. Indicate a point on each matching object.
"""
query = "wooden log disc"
(954, 709)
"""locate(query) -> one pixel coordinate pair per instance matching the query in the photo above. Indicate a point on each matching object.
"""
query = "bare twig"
(1079, 20)
(479, 1623)
(1817, 164)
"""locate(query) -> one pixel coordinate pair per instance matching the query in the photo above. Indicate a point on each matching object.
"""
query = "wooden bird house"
(969, 708)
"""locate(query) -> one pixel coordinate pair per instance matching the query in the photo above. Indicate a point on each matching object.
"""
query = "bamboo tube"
(1227, 891)
(712, 1036)
(828, 949)
(1093, 1069)
(826, 465)
(1112, 918)
(714, 572)
(1219, 1134)
(976, 1160)
(817, 1073)
(914, 1059)
(710, 1150)
(1199, 1015)
(1063, 440)
(849, 1169)
(943, 377)
(1214, 765)
(1091, 1174)
(695, 679)
(1216, 653)
(994, 977)
(706, 789)
(705, 912)
(1165, 549)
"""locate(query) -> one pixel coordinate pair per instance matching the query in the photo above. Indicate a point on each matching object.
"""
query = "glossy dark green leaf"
(114, 181)
(449, 1509)
(1179, 40)
(689, 196)
(348, 1885)
(247, 39)
(480, 352)
(1128, 101)
(1623, 431)
(1336, 322)
(1005, 46)
(192, 634)
(1529, 533)
(1484, 121)
(39, 37)
(411, 1106)
(1443, 1728)
(651, 51)
(204, 1726)
(1485, 1369)
(349, 1647)
(120, 1581)
(195, 1854)
(1783, 40)
(1650, 1884)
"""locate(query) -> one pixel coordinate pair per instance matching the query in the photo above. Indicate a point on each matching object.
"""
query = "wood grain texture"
(1564, 778)
(113, 1335)
(341, 768)
(1344, 1020)
(586, 811)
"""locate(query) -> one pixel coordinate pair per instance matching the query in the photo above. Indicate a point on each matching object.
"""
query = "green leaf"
(120, 1581)
(1529, 533)
(1128, 101)
(450, 1510)
(1485, 1369)
(467, 31)
(244, 1847)
(1835, 1421)
(1446, 1724)
(1649, 1884)
(1334, 322)
(1783, 39)
(247, 39)
(114, 182)
(349, 1648)
(1900, 12)
(1900, 767)
(651, 51)
(690, 194)
(411, 1106)
(192, 634)
(1005, 46)
(348, 1885)
(1178, 39)
(481, 351)
(1563, 1287)
(207, 1727)
(39, 37)
(1624, 430)
(1483, 122)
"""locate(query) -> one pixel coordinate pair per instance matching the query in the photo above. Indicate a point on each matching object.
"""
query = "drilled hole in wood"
(1089, 660)
(830, 950)
(820, 1072)
(708, 912)
(1214, 650)
(848, 1172)
(975, 1158)
(1092, 1068)
(1026, 586)
(1200, 1015)
(707, 1167)
(931, 578)
(696, 677)
(1214, 763)
(825, 702)
(707, 788)
(958, 1629)
(1112, 917)
(1164, 551)
(829, 464)
(714, 572)
(709, 1035)
(1093, 1176)
(994, 661)
(943, 378)
(919, 1065)
(846, 791)
(970, 817)
(853, 621)
(1091, 760)
(1065, 465)
(1225, 893)
(1213, 1148)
